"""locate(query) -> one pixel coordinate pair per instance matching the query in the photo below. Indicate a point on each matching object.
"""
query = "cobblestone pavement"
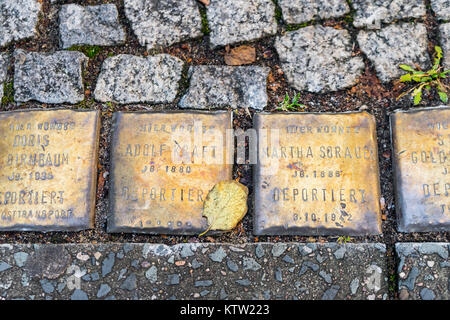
(194, 271)
(140, 55)
(314, 58)
(423, 271)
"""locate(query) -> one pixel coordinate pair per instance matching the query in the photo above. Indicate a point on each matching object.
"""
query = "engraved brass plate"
(48, 163)
(163, 166)
(421, 159)
(319, 177)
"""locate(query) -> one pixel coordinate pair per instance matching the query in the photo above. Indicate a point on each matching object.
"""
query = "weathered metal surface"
(319, 178)
(162, 168)
(421, 160)
(48, 163)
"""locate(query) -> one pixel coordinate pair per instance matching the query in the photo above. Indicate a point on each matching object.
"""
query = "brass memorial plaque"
(317, 174)
(162, 168)
(48, 163)
(421, 159)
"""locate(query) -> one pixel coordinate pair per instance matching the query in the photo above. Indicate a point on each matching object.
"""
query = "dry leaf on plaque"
(240, 55)
(225, 205)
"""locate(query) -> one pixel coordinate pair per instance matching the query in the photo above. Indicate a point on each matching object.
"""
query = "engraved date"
(167, 169)
(317, 174)
(37, 176)
(338, 218)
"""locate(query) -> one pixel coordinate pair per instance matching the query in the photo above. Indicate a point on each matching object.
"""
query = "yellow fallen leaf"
(225, 205)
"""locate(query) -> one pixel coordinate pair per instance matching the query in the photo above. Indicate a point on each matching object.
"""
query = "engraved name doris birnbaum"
(421, 162)
(163, 166)
(48, 161)
(327, 178)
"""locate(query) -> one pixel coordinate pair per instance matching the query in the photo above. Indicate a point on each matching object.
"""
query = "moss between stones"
(205, 26)
(90, 51)
(8, 93)
(278, 13)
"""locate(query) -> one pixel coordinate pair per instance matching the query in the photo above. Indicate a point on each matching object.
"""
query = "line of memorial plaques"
(421, 158)
(162, 167)
(317, 174)
(48, 162)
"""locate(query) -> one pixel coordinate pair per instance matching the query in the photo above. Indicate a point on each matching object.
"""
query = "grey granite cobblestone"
(444, 31)
(393, 45)
(372, 13)
(232, 21)
(130, 79)
(300, 11)
(319, 59)
(18, 19)
(225, 86)
(3, 72)
(49, 77)
(165, 22)
(423, 271)
(90, 25)
(223, 271)
(441, 8)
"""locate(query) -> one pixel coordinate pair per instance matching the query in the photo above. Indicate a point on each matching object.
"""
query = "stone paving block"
(233, 21)
(444, 30)
(18, 19)
(49, 161)
(162, 167)
(371, 14)
(49, 78)
(300, 11)
(90, 25)
(130, 79)
(421, 165)
(441, 8)
(224, 86)
(3, 74)
(423, 271)
(164, 22)
(188, 271)
(317, 175)
(393, 45)
(319, 59)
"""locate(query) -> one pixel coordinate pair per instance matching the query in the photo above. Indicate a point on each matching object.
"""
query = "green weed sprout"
(425, 80)
(294, 105)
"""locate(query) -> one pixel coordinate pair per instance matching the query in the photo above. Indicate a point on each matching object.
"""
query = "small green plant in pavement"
(90, 51)
(293, 105)
(425, 80)
(8, 96)
(205, 25)
(392, 282)
(343, 239)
